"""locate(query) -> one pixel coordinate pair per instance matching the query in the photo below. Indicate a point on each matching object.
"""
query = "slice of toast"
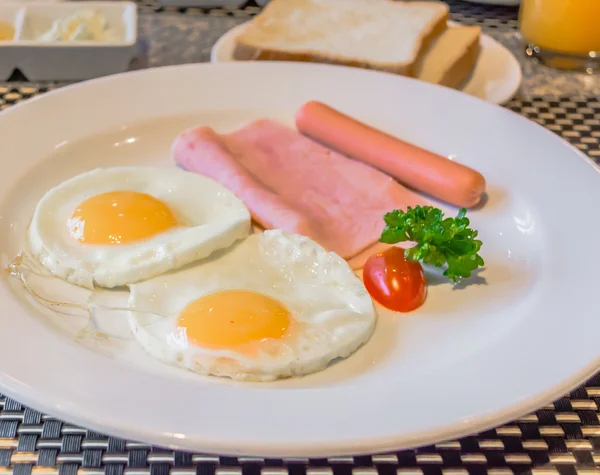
(375, 34)
(451, 57)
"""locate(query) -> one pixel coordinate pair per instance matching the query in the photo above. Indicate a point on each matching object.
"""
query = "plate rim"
(228, 36)
(372, 445)
(282, 451)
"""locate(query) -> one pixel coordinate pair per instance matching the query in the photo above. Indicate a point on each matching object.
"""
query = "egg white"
(214, 219)
(334, 312)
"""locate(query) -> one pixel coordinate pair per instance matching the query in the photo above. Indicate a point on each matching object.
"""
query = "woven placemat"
(576, 119)
(491, 16)
(563, 437)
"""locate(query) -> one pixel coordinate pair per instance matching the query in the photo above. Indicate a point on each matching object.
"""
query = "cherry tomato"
(393, 281)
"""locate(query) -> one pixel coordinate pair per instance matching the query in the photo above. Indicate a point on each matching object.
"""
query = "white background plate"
(496, 77)
(524, 331)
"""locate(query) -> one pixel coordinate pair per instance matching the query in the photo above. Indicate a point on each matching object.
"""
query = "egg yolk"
(120, 217)
(233, 318)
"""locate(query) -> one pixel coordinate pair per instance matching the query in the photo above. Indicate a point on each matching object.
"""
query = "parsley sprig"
(439, 241)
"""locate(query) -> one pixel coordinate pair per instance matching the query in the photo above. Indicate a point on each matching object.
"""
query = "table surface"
(563, 437)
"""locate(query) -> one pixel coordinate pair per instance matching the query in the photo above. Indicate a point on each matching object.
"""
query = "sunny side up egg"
(116, 226)
(271, 306)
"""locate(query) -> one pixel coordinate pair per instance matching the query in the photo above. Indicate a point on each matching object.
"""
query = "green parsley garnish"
(439, 241)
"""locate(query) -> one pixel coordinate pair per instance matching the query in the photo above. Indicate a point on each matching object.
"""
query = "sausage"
(417, 168)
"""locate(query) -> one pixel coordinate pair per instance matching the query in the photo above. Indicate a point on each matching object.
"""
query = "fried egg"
(116, 226)
(271, 306)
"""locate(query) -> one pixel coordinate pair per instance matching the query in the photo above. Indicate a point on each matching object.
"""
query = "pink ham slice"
(290, 182)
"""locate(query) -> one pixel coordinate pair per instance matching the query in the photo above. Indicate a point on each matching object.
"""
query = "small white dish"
(67, 60)
(474, 356)
(496, 78)
(12, 14)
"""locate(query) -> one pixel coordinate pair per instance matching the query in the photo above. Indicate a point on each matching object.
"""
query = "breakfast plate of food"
(414, 39)
(342, 261)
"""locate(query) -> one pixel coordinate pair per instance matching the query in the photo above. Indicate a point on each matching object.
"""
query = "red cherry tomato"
(393, 281)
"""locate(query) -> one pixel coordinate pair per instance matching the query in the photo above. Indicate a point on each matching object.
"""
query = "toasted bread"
(374, 34)
(450, 58)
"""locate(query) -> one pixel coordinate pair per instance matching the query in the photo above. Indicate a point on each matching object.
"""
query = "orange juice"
(562, 26)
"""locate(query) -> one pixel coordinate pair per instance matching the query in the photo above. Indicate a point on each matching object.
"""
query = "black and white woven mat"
(491, 16)
(561, 438)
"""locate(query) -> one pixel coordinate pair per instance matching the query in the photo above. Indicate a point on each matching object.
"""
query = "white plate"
(496, 77)
(524, 332)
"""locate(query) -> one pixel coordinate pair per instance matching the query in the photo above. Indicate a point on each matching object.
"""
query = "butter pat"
(7, 31)
(84, 25)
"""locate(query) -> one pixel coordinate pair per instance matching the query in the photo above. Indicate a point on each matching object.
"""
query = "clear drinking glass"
(563, 34)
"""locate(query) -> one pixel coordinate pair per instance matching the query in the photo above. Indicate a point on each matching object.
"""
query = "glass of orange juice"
(562, 33)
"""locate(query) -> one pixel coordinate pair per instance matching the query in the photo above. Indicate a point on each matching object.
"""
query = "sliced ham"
(291, 182)
(218, 163)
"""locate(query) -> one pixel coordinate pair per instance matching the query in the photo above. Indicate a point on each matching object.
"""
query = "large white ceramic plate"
(496, 77)
(523, 332)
